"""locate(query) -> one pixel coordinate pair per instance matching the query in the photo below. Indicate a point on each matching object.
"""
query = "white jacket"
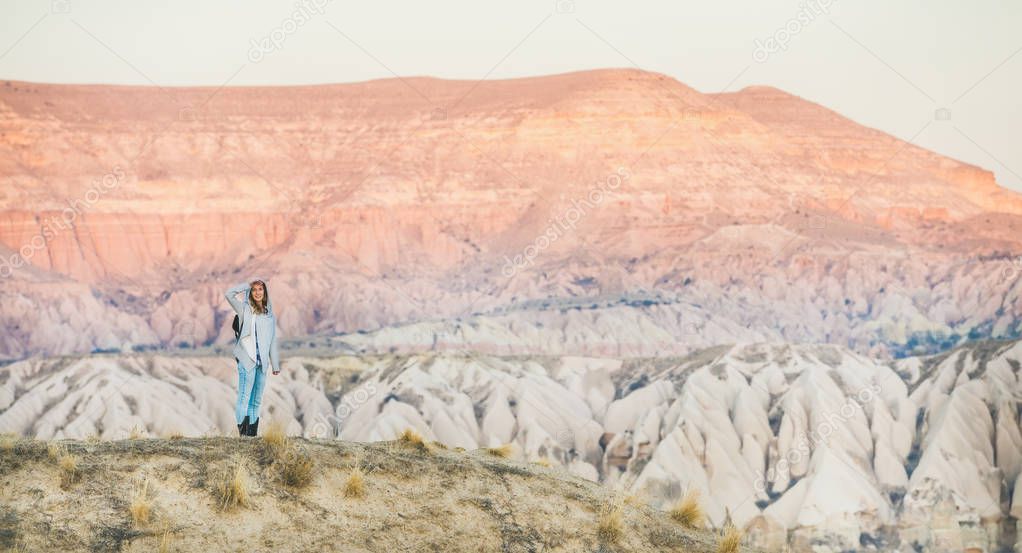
(267, 345)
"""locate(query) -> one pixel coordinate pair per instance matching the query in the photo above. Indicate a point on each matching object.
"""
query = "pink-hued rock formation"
(752, 215)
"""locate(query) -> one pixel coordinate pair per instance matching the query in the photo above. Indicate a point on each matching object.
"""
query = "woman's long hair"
(259, 307)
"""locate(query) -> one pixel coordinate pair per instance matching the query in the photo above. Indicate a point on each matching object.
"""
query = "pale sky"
(888, 65)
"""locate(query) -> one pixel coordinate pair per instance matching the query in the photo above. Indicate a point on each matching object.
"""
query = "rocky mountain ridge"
(125, 211)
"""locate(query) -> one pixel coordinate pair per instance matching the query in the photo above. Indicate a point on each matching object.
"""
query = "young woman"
(255, 349)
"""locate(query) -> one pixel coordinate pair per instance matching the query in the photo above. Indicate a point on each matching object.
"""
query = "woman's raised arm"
(231, 294)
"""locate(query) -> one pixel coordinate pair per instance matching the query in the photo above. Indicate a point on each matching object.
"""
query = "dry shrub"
(688, 512)
(610, 527)
(355, 486)
(730, 539)
(635, 500)
(296, 468)
(136, 433)
(543, 462)
(231, 488)
(7, 442)
(140, 508)
(412, 437)
(164, 544)
(414, 440)
(503, 451)
(275, 442)
(54, 451)
(274, 435)
(69, 472)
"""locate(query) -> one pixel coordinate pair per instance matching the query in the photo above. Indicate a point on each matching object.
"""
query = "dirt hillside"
(293, 494)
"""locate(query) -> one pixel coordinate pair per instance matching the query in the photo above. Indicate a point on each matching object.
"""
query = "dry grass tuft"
(275, 446)
(140, 508)
(543, 462)
(438, 445)
(410, 436)
(231, 488)
(730, 539)
(294, 465)
(164, 544)
(174, 435)
(69, 473)
(274, 435)
(503, 451)
(137, 433)
(413, 439)
(54, 451)
(275, 442)
(355, 486)
(688, 512)
(636, 500)
(610, 527)
(296, 468)
(7, 442)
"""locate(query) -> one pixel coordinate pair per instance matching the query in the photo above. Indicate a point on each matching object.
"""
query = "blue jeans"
(250, 393)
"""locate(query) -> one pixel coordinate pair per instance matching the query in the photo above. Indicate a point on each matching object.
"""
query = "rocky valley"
(813, 446)
(813, 324)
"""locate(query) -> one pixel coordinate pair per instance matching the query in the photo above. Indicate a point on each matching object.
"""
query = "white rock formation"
(111, 397)
(812, 445)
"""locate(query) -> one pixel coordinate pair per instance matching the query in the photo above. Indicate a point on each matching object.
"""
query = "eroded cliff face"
(809, 446)
(413, 200)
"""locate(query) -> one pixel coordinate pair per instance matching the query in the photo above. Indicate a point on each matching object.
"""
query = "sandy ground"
(416, 499)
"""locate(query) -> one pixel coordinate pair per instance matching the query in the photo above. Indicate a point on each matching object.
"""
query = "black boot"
(253, 428)
(243, 428)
